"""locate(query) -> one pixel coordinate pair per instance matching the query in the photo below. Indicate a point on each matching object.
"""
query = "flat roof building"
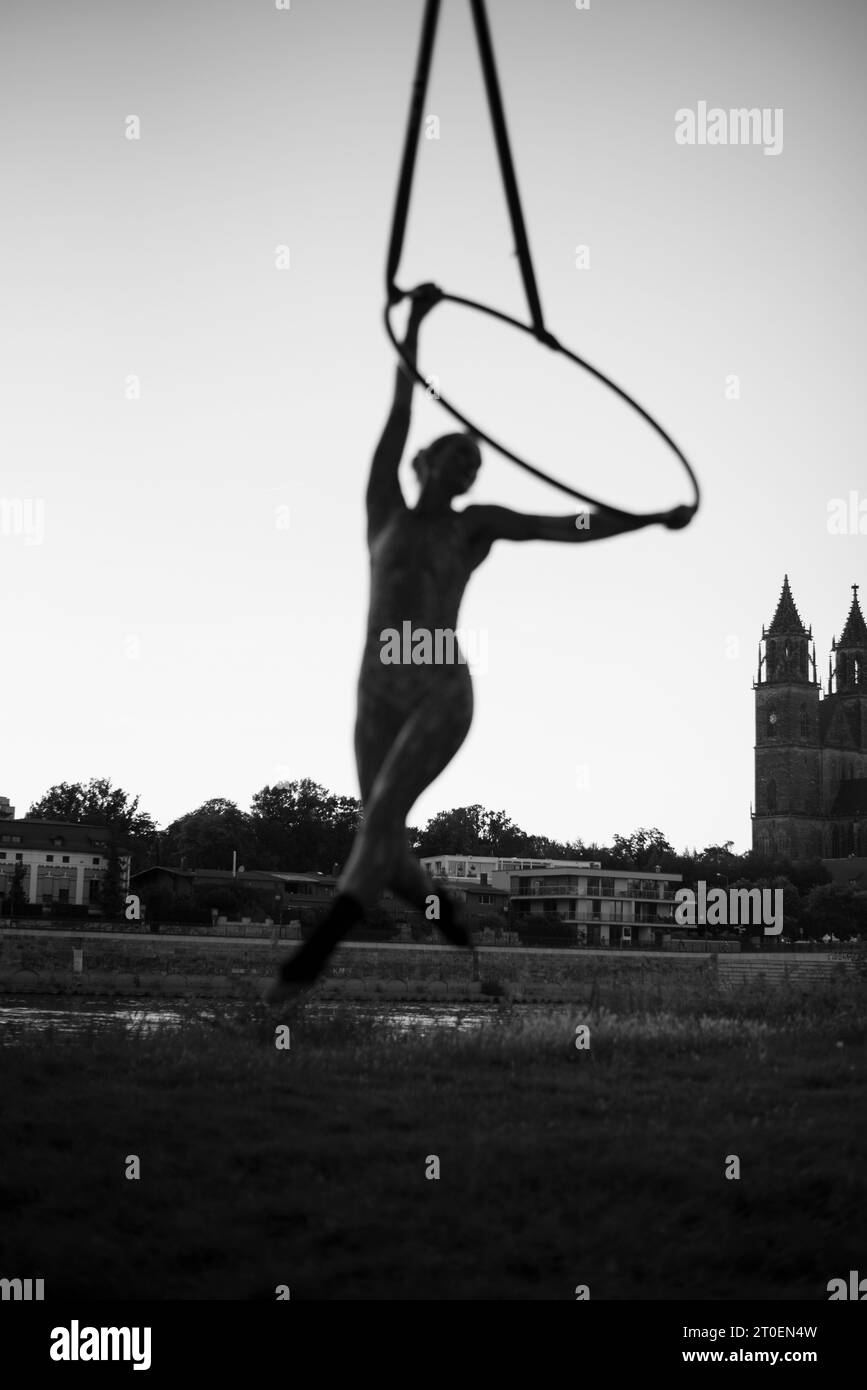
(492, 869)
(607, 906)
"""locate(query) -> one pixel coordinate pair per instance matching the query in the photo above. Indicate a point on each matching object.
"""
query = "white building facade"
(491, 869)
(64, 864)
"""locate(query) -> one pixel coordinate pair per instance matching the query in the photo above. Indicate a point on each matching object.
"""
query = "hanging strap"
(504, 153)
(507, 168)
(410, 147)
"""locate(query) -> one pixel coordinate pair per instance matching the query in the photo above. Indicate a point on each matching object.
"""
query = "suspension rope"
(536, 326)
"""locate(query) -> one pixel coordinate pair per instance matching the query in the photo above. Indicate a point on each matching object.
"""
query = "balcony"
(547, 893)
(620, 895)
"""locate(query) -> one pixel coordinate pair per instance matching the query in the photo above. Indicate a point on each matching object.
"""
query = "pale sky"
(187, 616)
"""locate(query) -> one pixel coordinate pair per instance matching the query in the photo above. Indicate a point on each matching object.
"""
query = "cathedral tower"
(787, 816)
(844, 738)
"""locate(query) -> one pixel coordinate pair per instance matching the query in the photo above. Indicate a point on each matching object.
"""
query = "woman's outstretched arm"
(383, 489)
(499, 523)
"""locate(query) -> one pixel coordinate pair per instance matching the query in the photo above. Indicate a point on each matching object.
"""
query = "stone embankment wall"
(43, 963)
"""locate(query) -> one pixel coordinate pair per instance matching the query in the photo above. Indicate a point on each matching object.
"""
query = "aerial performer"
(412, 718)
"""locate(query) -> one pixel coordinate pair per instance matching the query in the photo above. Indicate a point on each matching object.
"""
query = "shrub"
(545, 929)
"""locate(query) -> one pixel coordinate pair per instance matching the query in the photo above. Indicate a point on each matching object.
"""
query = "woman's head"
(452, 461)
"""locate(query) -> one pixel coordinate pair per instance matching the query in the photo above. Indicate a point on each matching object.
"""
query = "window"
(47, 898)
(49, 858)
(93, 891)
(65, 859)
(57, 843)
(772, 723)
(2, 854)
(63, 895)
(95, 862)
(19, 858)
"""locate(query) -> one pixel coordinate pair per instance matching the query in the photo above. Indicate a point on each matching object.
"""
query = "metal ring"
(551, 342)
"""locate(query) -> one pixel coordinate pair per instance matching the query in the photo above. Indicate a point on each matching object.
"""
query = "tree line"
(302, 826)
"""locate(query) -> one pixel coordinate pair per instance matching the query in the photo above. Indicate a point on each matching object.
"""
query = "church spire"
(854, 633)
(850, 652)
(786, 622)
(787, 655)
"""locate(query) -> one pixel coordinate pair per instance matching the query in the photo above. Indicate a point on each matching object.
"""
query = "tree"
(207, 837)
(544, 929)
(835, 909)
(643, 849)
(469, 830)
(723, 856)
(301, 825)
(793, 905)
(97, 802)
(807, 874)
(491, 921)
(17, 892)
(459, 831)
(111, 891)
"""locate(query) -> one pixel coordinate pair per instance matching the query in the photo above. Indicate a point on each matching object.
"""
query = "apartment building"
(608, 907)
(492, 870)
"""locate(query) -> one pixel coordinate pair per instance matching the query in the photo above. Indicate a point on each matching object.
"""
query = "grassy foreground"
(306, 1167)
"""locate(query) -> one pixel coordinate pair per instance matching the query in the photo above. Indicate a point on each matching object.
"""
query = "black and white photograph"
(433, 577)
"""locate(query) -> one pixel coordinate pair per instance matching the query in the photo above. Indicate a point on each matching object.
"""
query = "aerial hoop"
(536, 327)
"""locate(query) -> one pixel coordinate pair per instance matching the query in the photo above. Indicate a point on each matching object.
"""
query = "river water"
(20, 1018)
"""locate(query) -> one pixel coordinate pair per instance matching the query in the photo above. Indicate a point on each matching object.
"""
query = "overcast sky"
(183, 585)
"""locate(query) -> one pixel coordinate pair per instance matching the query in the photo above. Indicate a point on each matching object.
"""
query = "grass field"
(558, 1167)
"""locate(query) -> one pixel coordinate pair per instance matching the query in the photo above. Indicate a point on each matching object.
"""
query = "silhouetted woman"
(412, 719)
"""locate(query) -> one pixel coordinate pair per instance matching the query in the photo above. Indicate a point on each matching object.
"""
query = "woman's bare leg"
(415, 885)
(375, 732)
(425, 744)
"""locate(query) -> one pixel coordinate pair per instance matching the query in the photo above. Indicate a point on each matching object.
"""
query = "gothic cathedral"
(811, 746)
